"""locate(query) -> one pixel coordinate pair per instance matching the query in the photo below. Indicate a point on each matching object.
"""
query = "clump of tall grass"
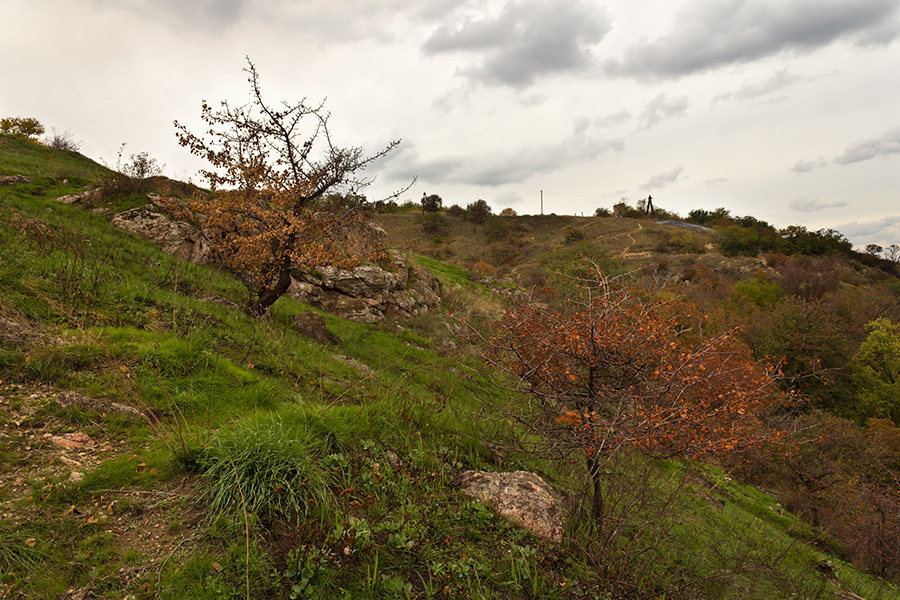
(265, 467)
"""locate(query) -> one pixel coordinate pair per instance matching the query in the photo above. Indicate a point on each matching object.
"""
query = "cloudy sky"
(787, 110)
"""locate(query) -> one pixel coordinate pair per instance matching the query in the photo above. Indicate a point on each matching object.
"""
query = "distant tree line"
(749, 236)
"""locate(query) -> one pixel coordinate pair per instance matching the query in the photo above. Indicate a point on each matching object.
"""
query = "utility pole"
(542, 202)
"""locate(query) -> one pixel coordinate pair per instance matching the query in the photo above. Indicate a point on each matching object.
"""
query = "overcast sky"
(787, 110)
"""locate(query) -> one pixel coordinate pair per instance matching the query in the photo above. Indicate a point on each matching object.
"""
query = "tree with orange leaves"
(280, 190)
(617, 372)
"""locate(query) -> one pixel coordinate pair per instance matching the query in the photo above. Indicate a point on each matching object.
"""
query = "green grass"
(346, 477)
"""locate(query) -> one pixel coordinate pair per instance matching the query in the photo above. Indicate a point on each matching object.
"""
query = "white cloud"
(884, 145)
(661, 180)
(779, 82)
(809, 205)
(884, 231)
(805, 166)
(662, 107)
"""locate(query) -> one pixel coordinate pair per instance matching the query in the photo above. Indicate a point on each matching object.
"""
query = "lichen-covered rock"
(520, 496)
(14, 179)
(312, 325)
(369, 293)
(366, 294)
(88, 197)
(177, 238)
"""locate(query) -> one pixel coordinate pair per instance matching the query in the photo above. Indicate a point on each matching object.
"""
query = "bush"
(62, 141)
(484, 269)
(457, 211)
(22, 127)
(602, 212)
(431, 203)
(478, 211)
(433, 222)
(142, 166)
(572, 235)
(495, 228)
(508, 212)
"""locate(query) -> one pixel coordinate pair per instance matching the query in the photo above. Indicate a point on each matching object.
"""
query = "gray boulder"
(521, 497)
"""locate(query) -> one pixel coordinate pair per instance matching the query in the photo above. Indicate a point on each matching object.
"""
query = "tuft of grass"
(18, 552)
(265, 466)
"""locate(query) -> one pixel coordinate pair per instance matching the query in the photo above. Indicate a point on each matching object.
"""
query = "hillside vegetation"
(158, 442)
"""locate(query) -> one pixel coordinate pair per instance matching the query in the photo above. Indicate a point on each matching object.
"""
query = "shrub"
(62, 141)
(495, 228)
(508, 212)
(433, 222)
(572, 234)
(484, 269)
(142, 166)
(23, 127)
(478, 211)
(431, 203)
(457, 211)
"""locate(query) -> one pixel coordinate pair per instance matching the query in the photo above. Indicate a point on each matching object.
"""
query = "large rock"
(520, 496)
(177, 238)
(370, 293)
(312, 325)
(366, 294)
(87, 197)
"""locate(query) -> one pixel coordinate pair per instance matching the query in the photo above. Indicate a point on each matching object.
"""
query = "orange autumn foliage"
(617, 371)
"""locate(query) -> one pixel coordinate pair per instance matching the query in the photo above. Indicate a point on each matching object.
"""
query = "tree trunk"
(593, 465)
(266, 297)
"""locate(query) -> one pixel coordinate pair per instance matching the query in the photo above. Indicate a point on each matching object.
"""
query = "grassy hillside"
(157, 443)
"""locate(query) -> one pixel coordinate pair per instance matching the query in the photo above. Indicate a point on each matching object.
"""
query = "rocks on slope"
(366, 294)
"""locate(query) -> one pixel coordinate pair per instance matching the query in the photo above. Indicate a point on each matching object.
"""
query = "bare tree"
(278, 188)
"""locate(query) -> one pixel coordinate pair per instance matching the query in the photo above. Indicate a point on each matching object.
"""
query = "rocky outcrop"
(521, 497)
(87, 197)
(366, 294)
(177, 238)
(370, 293)
(14, 179)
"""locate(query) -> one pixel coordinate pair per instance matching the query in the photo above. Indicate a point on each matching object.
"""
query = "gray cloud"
(778, 82)
(498, 168)
(197, 14)
(809, 205)
(528, 39)
(884, 145)
(662, 180)
(708, 34)
(716, 181)
(881, 231)
(662, 107)
(611, 120)
(805, 166)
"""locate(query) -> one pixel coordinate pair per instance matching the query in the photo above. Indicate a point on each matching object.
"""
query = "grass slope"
(268, 465)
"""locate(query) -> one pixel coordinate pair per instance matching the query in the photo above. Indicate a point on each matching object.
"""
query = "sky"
(786, 110)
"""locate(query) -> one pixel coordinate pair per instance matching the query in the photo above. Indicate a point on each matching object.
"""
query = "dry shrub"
(843, 478)
(484, 269)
